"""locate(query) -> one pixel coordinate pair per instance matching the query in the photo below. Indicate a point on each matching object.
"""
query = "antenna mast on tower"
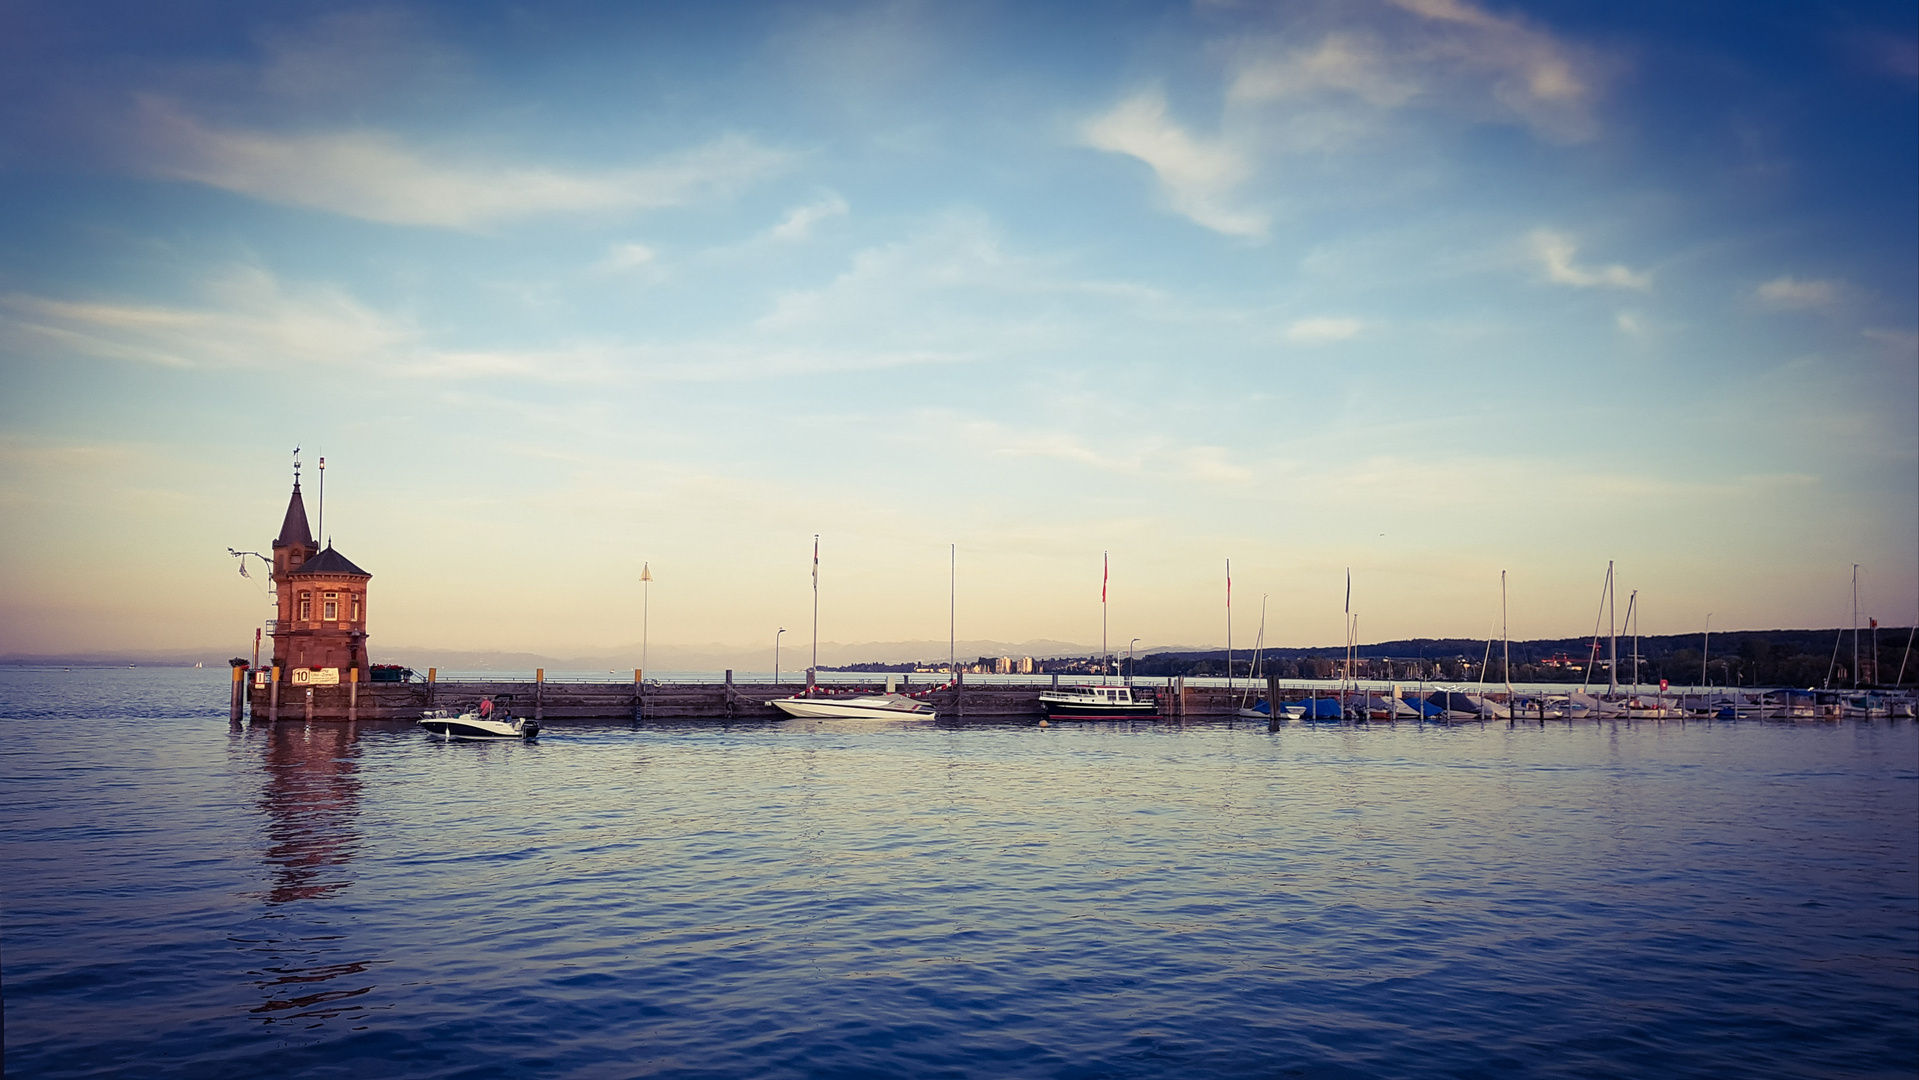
(322, 529)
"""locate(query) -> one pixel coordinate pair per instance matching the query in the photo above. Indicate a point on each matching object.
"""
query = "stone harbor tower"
(321, 626)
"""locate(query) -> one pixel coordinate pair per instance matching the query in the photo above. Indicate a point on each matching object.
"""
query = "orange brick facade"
(322, 597)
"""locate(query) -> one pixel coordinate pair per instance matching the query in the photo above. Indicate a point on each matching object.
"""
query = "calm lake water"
(187, 898)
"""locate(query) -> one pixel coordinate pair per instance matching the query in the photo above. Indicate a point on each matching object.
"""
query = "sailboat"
(816, 703)
(1260, 708)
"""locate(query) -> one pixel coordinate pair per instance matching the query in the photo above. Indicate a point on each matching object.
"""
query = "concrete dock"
(268, 699)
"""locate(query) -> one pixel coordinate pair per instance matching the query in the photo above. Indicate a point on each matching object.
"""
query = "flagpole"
(952, 610)
(1229, 629)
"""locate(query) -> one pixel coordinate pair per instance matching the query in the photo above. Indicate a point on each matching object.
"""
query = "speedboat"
(1096, 703)
(471, 725)
(860, 707)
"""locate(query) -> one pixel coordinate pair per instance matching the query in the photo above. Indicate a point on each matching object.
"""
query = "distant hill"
(1749, 657)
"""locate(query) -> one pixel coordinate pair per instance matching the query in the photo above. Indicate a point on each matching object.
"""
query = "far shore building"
(321, 624)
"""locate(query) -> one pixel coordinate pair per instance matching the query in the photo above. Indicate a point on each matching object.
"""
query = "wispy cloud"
(1437, 54)
(1787, 293)
(1197, 176)
(798, 224)
(1555, 252)
(1357, 63)
(1320, 331)
(627, 256)
(376, 176)
(251, 320)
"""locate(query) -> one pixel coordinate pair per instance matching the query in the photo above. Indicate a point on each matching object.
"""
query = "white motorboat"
(496, 724)
(1096, 703)
(860, 707)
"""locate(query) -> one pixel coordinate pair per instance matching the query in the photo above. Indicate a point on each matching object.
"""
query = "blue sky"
(1424, 288)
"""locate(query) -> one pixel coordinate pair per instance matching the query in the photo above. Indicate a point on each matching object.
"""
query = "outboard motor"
(530, 729)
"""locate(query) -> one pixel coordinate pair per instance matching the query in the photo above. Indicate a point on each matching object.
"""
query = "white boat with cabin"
(1096, 703)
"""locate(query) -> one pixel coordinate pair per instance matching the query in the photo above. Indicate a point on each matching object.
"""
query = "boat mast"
(1506, 643)
(1105, 575)
(812, 673)
(1632, 620)
(952, 610)
(1229, 629)
(1705, 650)
(1855, 600)
(1347, 672)
(1612, 631)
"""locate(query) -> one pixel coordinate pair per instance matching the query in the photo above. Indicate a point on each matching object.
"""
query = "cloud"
(1556, 251)
(1354, 63)
(1439, 54)
(252, 321)
(1196, 176)
(375, 176)
(1628, 323)
(799, 223)
(1787, 293)
(1547, 83)
(626, 257)
(1322, 330)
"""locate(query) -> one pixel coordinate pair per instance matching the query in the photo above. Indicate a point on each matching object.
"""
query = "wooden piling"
(639, 695)
(1272, 703)
(273, 696)
(239, 684)
(539, 698)
(353, 694)
(728, 698)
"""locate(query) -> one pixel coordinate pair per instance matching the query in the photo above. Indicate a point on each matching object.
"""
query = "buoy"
(1043, 723)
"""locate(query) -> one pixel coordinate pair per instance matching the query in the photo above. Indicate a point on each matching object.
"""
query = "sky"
(987, 296)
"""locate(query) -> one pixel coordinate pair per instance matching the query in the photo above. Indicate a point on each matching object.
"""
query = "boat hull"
(470, 727)
(879, 707)
(1096, 703)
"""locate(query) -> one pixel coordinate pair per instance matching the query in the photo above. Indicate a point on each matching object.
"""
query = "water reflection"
(311, 798)
(311, 803)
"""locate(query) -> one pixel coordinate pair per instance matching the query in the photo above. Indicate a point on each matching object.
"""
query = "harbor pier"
(272, 696)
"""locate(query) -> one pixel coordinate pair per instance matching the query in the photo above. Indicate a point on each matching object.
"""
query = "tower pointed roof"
(329, 562)
(294, 530)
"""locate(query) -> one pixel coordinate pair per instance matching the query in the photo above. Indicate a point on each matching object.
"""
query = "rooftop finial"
(296, 468)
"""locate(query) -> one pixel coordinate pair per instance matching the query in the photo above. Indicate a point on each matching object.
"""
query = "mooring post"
(239, 684)
(729, 693)
(639, 695)
(432, 677)
(959, 694)
(353, 694)
(1272, 703)
(539, 698)
(273, 696)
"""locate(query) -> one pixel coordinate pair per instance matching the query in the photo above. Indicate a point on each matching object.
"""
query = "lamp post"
(776, 656)
(1129, 661)
(646, 608)
(266, 564)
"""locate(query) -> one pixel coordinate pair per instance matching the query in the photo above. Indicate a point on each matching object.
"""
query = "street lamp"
(776, 656)
(1129, 661)
(267, 565)
(646, 608)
